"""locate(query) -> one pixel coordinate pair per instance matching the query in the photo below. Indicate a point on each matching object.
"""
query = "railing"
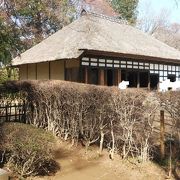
(13, 111)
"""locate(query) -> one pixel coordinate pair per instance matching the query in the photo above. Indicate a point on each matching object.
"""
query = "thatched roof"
(100, 34)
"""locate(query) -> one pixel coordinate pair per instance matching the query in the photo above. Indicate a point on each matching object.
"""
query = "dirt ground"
(75, 164)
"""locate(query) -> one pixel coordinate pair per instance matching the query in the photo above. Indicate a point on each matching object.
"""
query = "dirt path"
(76, 165)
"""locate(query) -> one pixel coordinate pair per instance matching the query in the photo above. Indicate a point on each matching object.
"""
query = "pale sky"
(157, 6)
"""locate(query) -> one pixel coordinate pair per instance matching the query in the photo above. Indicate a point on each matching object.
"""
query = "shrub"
(28, 150)
(119, 120)
(170, 102)
(122, 121)
(7, 74)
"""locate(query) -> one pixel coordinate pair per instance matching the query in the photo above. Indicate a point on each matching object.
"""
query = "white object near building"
(166, 85)
(123, 85)
(4, 175)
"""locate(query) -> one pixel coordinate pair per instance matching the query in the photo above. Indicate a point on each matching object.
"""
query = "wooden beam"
(129, 56)
(85, 75)
(101, 77)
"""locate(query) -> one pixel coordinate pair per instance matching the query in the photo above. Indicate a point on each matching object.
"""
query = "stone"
(4, 175)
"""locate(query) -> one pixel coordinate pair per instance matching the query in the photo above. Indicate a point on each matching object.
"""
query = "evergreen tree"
(10, 43)
(24, 23)
(126, 8)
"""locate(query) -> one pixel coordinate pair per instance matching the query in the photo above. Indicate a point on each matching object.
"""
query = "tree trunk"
(101, 142)
(113, 145)
(162, 135)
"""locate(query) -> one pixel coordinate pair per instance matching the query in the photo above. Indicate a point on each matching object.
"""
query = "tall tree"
(37, 19)
(10, 44)
(150, 21)
(169, 35)
(126, 8)
(24, 23)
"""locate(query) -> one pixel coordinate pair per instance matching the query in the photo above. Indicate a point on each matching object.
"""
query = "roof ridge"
(110, 18)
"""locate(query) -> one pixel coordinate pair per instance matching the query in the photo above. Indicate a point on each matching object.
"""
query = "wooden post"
(105, 77)
(101, 77)
(27, 71)
(162, 133)
(158, 86)
(49, 70)
(36, 71)
(15, 108)
(138, 80)
(115, 74)
(24, 112)
(6, 106)
(86, 75)
(118, 76)
(149, 84)
(126, 76)
(19, 112)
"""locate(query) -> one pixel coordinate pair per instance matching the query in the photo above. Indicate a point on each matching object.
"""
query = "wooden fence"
(13, 111)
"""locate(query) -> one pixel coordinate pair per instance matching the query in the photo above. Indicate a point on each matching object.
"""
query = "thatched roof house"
(104, 48)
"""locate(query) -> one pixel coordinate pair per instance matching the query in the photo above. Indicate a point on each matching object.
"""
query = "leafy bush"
(27, 150)
(7, 74)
